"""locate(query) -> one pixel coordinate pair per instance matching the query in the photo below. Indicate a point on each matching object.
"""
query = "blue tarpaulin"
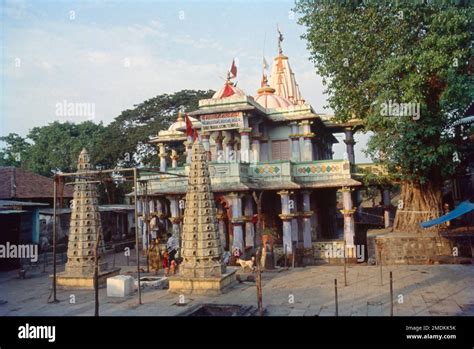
(463, 208)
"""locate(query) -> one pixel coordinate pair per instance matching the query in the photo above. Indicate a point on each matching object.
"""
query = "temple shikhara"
(270, 141)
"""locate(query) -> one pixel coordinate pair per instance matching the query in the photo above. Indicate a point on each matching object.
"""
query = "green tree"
(126, 140)
(14, 150)
(56, 147)
(371, 54)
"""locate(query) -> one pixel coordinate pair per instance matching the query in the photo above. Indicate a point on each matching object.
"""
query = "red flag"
(189, 126)
(233, 70)
(228, 91)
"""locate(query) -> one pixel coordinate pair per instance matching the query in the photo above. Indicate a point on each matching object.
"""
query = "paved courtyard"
(419, 290)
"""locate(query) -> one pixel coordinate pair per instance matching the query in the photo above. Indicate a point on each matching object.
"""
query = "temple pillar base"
(212, 286)
(84, 281)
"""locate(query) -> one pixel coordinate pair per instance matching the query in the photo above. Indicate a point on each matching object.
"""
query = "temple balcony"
(272, 175)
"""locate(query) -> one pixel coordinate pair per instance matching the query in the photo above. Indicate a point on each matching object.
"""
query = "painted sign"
(222, 121)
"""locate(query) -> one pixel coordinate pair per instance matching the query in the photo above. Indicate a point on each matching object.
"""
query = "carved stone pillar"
(175, 218)
(348, 212)
(237, 221)
(255, 148)
(307, 214)
(294, 219)
(162, 154)
(349, 140)
(249, 226)
(174, 158)
(295, 142)
(245, 144)
(286, 218)
(307, 136)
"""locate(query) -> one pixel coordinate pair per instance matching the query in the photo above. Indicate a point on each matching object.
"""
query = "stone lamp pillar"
(85, 231)
(202, 270)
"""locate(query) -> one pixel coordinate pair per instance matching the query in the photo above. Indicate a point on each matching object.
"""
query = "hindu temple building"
(271, 141)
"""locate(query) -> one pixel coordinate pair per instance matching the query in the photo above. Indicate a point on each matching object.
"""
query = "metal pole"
(94, 172)
(146, 207)
(391, 294)
(293, 254)
(137, 247)
(380, 264)
(44, 261)
(259, 284)
(345, 265)
(96, 273)
(335, 295)
(286, 257)
(55, 300)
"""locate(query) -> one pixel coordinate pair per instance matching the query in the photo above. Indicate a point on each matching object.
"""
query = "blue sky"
(115, 54)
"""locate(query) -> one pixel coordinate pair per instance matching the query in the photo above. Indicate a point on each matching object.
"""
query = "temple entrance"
(271, 208)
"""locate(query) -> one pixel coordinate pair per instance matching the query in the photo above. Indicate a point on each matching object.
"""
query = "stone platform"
(203, 286)
(420, 248)
(87, 282)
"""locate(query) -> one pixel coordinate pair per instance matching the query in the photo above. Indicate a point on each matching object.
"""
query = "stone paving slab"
(430, 290)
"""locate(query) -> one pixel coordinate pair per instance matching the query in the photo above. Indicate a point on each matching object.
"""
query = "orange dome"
(229, 90)
(268, 99)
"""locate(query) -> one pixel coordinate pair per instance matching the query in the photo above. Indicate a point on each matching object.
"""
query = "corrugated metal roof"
(102, 208)
(8, 203)
(12, 211)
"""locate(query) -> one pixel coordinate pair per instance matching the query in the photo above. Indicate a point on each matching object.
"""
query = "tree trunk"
(418, 203)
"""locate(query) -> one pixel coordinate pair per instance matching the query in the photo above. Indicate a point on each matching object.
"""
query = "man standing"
(172, 246)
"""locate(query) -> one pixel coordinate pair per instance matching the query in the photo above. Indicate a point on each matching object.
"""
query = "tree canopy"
(125, 140)
(403, 68)
(56, 146)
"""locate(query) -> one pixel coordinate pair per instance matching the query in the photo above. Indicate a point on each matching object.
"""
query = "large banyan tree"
(404, 68)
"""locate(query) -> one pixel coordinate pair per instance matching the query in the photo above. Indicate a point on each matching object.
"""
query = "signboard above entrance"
(222, 121)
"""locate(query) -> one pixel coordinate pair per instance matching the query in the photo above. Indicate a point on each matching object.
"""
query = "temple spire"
(282, 78)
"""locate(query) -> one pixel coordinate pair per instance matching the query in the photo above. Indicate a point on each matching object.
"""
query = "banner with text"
(222, 121)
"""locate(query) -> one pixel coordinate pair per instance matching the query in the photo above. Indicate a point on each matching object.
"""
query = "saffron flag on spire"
(233, 70)
(189, 127)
